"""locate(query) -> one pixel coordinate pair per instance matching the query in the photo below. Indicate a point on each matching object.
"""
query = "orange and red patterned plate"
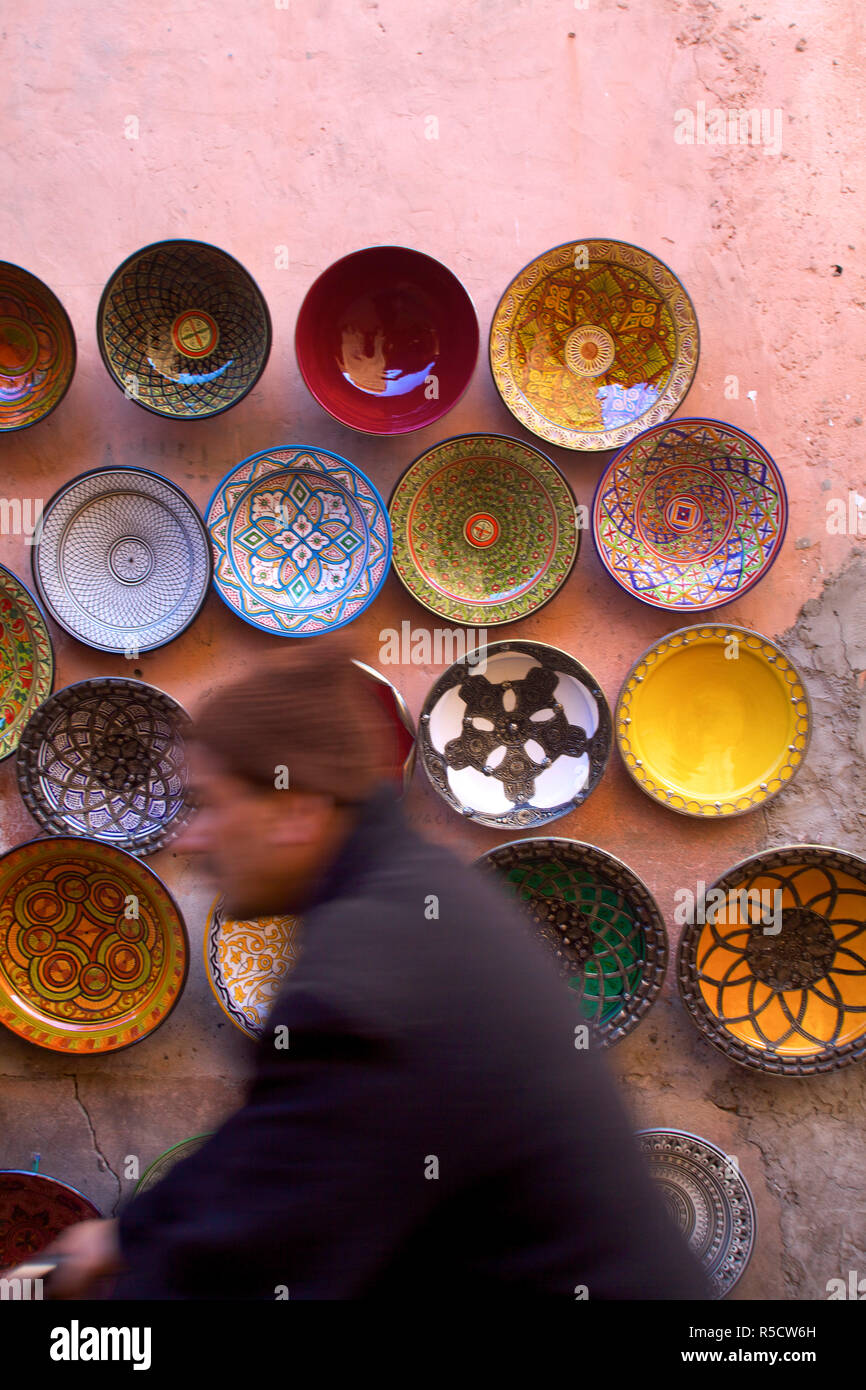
(93, 948)
(26, 659)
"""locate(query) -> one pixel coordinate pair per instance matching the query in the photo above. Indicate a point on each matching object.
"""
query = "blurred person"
(430, 1129)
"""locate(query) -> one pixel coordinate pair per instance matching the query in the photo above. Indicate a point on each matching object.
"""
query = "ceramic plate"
(301, 541)
(592, 343)
(183, 329)
(387, 340)
(708, 1199)
(34, 1209)
(516, 735)
(713, 721)
(105, 758)
(690, 515)
(37, 349)
(485, 529)
(774, 972)
(79, 971)
(247, 962)
(164, 1164)
(598, 919)
(26, 659)
(404, 729)
(122, 561)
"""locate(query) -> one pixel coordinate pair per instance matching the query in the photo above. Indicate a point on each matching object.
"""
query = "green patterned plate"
(597, 918)
(485, 529)
(26, 660)
(166, 1161)
(93, 949)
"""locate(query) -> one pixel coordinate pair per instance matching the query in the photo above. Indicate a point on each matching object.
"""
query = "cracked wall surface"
(304, 132)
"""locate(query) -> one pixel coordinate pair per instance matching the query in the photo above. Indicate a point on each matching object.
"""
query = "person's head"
(279, 761)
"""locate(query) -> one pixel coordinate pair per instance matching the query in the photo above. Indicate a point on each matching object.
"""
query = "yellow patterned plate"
(592, 343)
(246, 964)
(773, 968)
(713, 720)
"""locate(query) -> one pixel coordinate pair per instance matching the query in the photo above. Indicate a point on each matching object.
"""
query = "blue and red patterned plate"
(690, 515)
(301, 541)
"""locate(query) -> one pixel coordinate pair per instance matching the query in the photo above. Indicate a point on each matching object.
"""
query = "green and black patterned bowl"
(183, 329)
(598, 919)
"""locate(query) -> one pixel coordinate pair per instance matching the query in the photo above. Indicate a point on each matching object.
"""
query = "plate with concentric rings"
(37, 349)
(93, 947)
(598, 920)
(593, 342)
(707, 1197)
(690, 515)
(122, 560)
(166, 1161)
(26, 659)
(485, 529)
(713, 720)
(105, 758)
(773, 969)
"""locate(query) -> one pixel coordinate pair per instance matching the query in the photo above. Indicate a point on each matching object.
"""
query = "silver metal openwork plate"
(708, 1199)
(122, 559)
(105, 758)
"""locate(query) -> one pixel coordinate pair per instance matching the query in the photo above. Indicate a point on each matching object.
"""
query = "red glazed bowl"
(387, 340)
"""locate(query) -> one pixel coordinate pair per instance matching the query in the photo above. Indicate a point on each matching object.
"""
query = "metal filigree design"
(26, 659)
(105, 758)
(123, 561)
(690, 515)
(708, 1199)
(37, 349)
(776, 976)
(736, 640)
(166, 1161)
(599, 921)
(93, 948)
(592, 343)
(183, 329)
(247, 962)
(34, 1209)
(514, 709)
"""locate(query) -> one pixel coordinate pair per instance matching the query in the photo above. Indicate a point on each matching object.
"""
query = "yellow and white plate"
(246, 964)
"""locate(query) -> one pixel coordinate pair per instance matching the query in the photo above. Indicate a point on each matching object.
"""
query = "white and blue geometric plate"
(301, 541)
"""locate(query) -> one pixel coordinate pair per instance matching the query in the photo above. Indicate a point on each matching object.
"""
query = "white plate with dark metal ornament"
(105, 758)
(516, 734)
(122, 559)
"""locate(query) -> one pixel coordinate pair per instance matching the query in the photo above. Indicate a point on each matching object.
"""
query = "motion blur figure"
(430, 1129)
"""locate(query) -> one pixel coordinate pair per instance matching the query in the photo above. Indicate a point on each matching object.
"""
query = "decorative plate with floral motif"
(773, 971)
(690, 515)
(593, 342)
(246, 963)
(301, 541)
(485, 529)
(34, 1209)
(26, 659)
(93, 948)
(37, 349)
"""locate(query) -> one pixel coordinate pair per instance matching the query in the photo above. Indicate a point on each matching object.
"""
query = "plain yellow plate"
(713, 720)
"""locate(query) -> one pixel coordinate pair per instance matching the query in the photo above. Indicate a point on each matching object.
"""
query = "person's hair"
(308, 709)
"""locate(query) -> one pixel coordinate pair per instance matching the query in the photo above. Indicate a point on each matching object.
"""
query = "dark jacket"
(431, 1128)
